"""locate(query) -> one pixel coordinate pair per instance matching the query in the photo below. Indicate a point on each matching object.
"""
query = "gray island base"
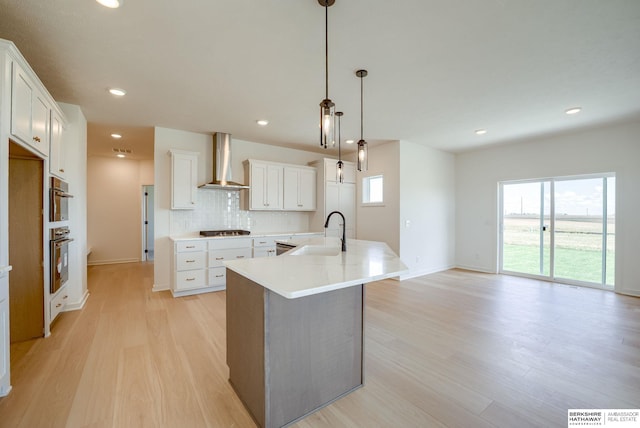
(290, 357)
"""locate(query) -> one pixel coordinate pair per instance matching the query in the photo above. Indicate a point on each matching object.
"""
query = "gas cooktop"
(226, 232)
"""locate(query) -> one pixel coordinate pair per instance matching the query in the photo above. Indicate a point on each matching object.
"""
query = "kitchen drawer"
(218, 256)
(190, 246)
(226, 243)
(188, 279)
(57, 304)
(190, 261)
(217, 276)
(269, 241)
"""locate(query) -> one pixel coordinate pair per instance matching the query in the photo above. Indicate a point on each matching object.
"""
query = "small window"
(372, 190)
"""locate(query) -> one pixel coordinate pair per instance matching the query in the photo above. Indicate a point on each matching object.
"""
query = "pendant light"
(340, 164)
(327, 107)
(363, 155)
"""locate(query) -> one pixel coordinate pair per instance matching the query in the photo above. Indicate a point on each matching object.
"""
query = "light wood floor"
(456, 349)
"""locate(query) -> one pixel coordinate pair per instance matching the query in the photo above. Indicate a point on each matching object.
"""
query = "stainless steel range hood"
(222, 177)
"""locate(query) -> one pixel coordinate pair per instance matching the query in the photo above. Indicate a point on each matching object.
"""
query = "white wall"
(75, 166)
(381, 223)
(216, 209)
(419, 187)
(427, 201)
(115, 208)
(614, 148)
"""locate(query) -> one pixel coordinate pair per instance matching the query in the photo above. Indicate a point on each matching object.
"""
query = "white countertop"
(196, 235)
(294, 276)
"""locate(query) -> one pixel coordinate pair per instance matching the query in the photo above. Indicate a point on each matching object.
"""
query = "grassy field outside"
(578, 248)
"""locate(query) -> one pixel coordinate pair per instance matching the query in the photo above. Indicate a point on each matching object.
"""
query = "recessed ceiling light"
(116, 136)
(120, 155)
(262, 122)
(117, 92)
(573, 110)
(111, 4)
(481, 131)
(349, 141)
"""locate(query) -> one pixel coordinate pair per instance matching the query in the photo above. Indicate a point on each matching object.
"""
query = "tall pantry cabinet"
(335, 196)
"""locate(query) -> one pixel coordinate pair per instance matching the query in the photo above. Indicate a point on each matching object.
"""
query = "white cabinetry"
(221, 250)
(184, 179)
(335, 196)
(29, 112)
(299, 188)
(266, 186)
(56, 151)
(278, 186)
(189, 265)
(58, 302)
(266, 246)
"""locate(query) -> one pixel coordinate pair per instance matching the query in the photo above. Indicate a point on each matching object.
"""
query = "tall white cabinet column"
(335, 196)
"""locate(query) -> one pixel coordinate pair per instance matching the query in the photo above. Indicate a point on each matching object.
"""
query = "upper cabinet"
(266, 185)
(299, 188)
(276, 186)
(184, 179)
(56, 151)
(29, 112)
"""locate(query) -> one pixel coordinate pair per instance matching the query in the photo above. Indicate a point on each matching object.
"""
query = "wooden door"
(26, 280)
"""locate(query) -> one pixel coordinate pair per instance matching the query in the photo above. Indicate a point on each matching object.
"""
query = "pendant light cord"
(326, 48)
(361, 104)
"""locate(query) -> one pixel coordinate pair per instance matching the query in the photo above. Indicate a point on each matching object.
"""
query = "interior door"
(26, 280)
(148, 222)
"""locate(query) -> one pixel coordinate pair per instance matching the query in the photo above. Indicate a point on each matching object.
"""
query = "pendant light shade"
(363, 151)
(340, 164)
(327, 107)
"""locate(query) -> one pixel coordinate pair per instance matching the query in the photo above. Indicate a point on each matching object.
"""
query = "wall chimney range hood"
(222, 177)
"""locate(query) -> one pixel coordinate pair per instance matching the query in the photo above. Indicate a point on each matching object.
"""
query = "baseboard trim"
(77, 306)
(422, 272)
(474, 269)
(112, 262)
(160, 288)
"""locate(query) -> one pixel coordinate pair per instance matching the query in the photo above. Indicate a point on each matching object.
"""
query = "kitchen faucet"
(344, 225)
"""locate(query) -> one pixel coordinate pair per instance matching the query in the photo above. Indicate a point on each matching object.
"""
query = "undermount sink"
(315, 250)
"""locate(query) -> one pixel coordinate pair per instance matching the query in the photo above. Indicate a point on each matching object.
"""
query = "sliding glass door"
(561, 229)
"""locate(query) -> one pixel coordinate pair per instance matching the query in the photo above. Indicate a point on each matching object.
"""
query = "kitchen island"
(295, 325)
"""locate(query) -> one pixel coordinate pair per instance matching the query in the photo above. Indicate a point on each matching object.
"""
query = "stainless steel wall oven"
(59, 200)
(59, 250)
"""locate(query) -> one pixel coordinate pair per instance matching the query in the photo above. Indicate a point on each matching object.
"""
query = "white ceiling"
(438, 70)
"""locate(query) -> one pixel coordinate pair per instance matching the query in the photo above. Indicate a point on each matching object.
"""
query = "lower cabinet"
(198, 264)
(58, 302)
(198, 267)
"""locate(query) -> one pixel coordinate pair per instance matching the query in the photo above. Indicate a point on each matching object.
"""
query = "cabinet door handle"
(239, 257)
(219, 276)
(58, 305)
(262, 242)
(299, 205)
(61, 170)
(190, 261)
(36, 139)
(64, 297)
(219, 258)
(191, 279)
(191, 246)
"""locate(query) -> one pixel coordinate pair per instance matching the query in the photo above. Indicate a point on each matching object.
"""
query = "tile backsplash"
(220, 209)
